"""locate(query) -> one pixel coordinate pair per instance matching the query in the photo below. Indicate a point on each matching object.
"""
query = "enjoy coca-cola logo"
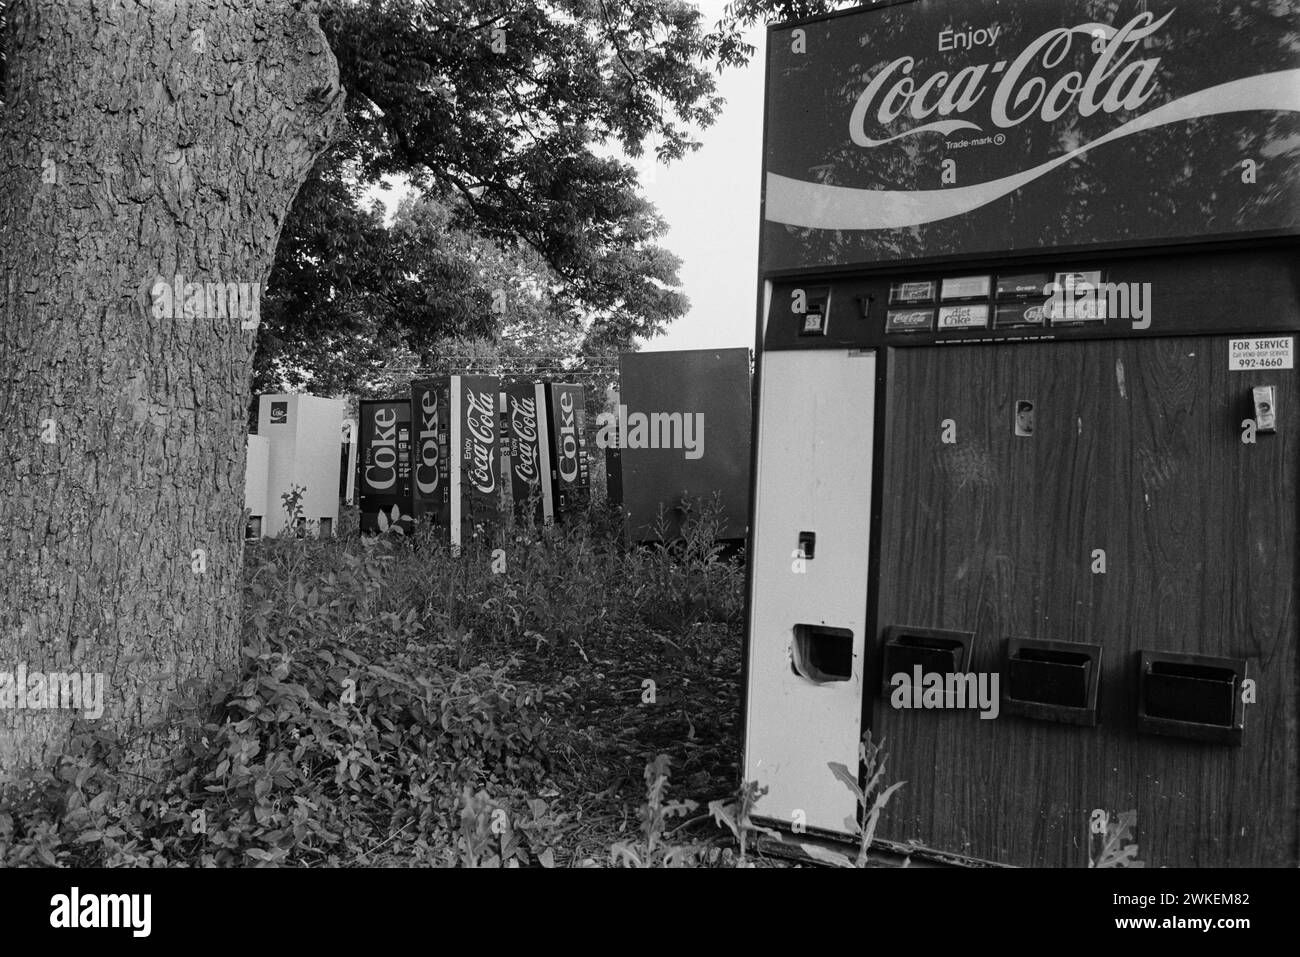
(523, 425)
(479, 413)
(1115, 81)
(523, 419)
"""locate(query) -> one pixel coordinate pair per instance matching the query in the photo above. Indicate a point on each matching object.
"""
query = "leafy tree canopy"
(503, 115)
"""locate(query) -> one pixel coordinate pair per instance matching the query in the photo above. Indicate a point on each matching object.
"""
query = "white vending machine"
(303, 438)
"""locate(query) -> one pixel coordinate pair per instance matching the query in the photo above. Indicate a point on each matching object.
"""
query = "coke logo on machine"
(381, 473)
(568, 439)
(426, 470)
(523, 423)
(479, 411)
(1110, 85)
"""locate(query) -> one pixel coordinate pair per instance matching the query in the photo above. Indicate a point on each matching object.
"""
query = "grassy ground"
(545, 697)
(640, 650)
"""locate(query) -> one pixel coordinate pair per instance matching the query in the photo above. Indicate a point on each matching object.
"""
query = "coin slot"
(807, 544)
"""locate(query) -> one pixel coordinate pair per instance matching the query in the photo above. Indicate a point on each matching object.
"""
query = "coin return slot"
(1265, 400)
(1024, 424)
(1053, 681)
(822, 654)
(1191, 696)
(807, 544)
(934, 650)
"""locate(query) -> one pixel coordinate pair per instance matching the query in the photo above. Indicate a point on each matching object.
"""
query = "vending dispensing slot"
(1191, 696)
(933, 649)
(822, 654)
(1053, 680)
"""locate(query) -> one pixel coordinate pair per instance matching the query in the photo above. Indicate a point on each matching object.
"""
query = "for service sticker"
(1248, 355)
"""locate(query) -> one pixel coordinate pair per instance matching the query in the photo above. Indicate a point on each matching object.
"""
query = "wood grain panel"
(1136, 451)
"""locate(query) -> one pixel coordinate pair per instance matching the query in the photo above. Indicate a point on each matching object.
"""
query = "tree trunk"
(139, 139)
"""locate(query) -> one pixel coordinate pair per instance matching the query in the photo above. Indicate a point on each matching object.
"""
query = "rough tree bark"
(139, 139)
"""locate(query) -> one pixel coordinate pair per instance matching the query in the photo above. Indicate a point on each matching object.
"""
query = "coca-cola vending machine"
(456, 454)
(384, 464)
(570, 470)
(1028, 429)
(528, 437)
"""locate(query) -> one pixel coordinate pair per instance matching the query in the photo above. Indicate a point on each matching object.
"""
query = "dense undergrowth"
(525, 702)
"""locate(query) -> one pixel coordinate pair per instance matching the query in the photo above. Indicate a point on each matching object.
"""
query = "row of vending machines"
(459, 451)
(462, 450)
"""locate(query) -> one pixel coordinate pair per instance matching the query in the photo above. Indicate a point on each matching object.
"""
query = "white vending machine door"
(807, 615)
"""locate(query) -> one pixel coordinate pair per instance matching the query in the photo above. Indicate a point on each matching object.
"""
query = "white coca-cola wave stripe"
(794, 202)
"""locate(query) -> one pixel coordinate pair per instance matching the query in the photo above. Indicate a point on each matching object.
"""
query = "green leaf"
(850, 780)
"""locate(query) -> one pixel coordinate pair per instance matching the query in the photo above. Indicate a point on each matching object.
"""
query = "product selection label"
(1031, 284)
(1014, 315)
(966, 287)
(975, 316)
(909, 320)
(911, 292)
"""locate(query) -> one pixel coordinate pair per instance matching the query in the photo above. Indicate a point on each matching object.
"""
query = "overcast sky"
(710, 200)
